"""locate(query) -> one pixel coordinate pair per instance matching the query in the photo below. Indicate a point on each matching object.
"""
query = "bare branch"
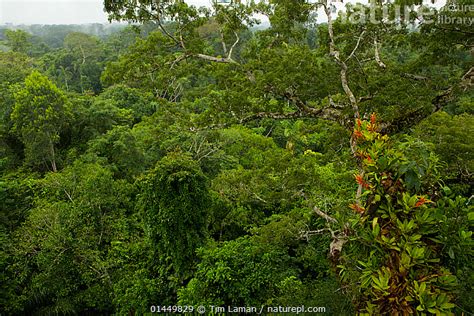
(366, 98)
(338, 238)
(333, 104)
(356, 47)
(348, 91)
(415, 77)
(377, 55)
(68, 195)
(215, 59)
(328, 218)
(306, 234)
(184, 56)
(336, 54)
(467, 79)
(178, 60)
(259, 198)
(163, 29)
(181, 40)
(336, 245)
(330, 113)
(237, 39)
(224, 46)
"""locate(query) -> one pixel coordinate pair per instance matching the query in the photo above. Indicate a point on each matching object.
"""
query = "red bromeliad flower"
(363, 155)
(372, 127)
(359, 122)
(373, 118)
(421, 201)
(358, 134)
(360, 181)
(356, 207)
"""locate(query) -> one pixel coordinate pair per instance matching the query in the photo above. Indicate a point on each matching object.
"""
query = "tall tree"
(175, 203)
(19, 41)
(82, 58)
(41, 111)
(14, 68)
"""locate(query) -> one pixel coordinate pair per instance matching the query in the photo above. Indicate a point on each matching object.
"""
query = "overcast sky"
(57, 11)
(75, 11)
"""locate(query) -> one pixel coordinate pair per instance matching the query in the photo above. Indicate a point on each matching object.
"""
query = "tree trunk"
(53, 156)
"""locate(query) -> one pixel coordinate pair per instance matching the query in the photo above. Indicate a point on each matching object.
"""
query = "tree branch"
(466, 80)
(324, 113)
(438, 103)
(336, 55)
(215, 59)
(333, 104)
(328, 218)
(377, 55)
(253, 117)
(224, 46)
(339, 238)
(438, 26)
(356, 47)
(180, 42)
(233, 46)
(306, 234)
(415, 77)
(163, 29)
(366, 98)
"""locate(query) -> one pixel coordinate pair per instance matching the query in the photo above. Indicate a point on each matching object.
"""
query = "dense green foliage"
(197, 159)
(403, 271)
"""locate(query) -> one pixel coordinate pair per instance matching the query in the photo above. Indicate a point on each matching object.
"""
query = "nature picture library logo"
(392, 13)
(457, 14)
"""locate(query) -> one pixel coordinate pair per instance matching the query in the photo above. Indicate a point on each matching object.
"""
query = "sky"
(57, 11)
(73, 11)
